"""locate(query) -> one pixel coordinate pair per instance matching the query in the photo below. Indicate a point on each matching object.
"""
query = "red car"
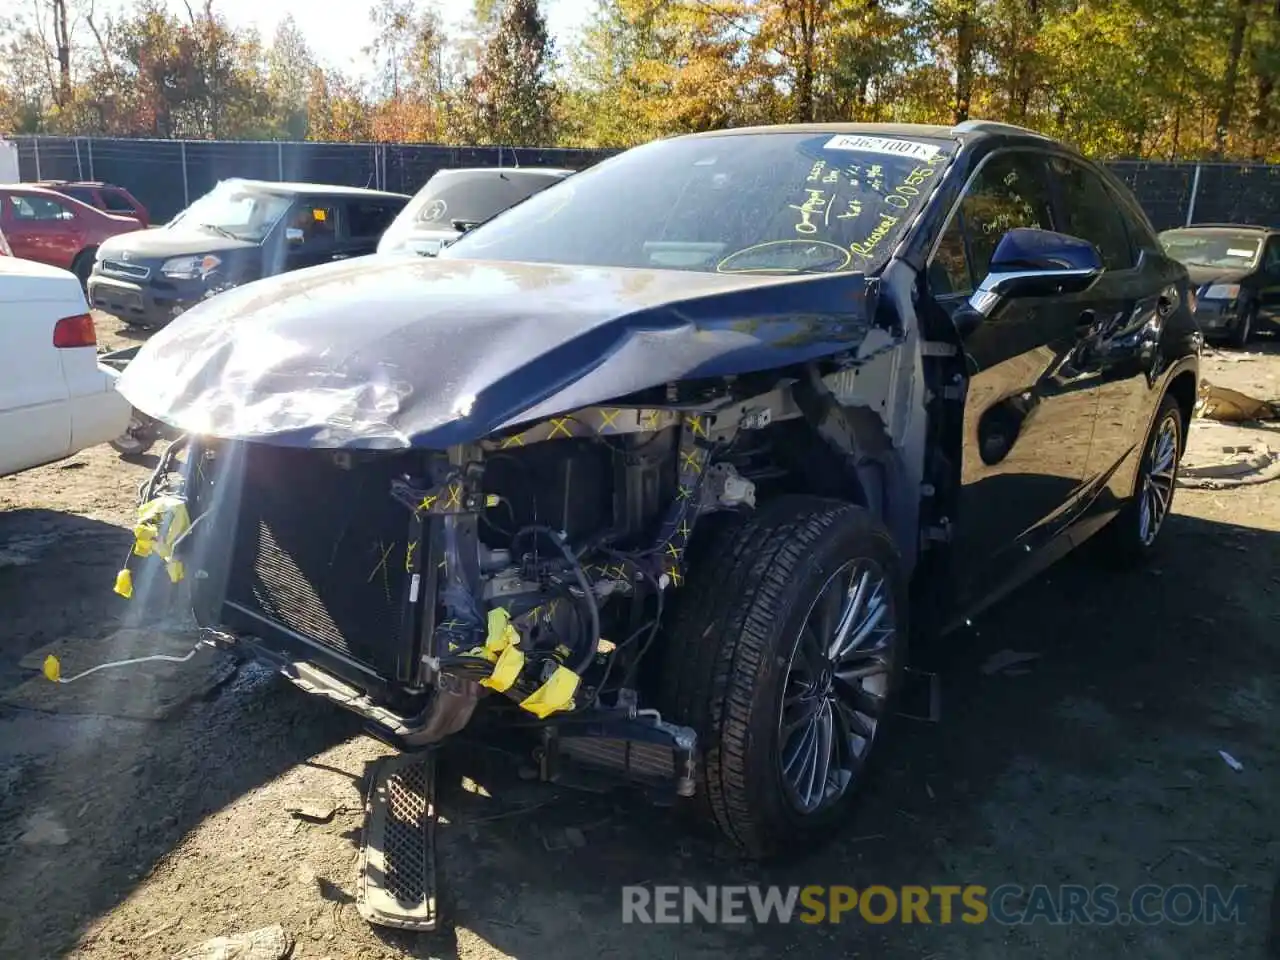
(56, 229)
(104, 196)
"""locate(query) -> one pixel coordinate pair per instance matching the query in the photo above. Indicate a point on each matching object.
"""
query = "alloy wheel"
(837, 684)
(1158, 481)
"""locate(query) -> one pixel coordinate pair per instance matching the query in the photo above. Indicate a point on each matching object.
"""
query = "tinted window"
(739, 203)
(1010, 191)
(1091, 213)
(1142, 234)
(366, 219)
(83, 194)
(116, 202)
(949, 269)
(27, 207)
(317, 219)
(1271, 262)
(474, 195)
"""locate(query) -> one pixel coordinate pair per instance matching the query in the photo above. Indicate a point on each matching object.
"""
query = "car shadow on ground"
(99, 784)
(1095, 763)
(1098, 764)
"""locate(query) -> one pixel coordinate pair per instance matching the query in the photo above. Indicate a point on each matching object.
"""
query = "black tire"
(736, 631)
(1242, 332)
(136, 440)
(82, 265)
(1123, 541)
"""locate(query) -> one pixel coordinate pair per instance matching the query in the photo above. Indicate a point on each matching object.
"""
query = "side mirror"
(1036, 263)
(294, 235)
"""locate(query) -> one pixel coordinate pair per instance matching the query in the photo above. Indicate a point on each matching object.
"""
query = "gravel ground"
(140, 815)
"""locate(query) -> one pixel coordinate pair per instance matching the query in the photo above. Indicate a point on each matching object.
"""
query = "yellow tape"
(508, 668)
(554, 695)
(501, 633)
(161, 523)
(52, 668)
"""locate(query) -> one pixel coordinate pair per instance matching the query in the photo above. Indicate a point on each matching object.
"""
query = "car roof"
(969, 129)
(1237, 227)
(326, 189)
(547, 171)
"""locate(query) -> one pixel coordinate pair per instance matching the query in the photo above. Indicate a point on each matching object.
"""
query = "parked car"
(650, 464)
(103, 196)
(1235, 269)
(55, 398)
(58, 230)
(239, 231)
(453, 201)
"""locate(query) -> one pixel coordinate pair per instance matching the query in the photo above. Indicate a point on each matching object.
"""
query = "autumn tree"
(289, 66)
(510, 97)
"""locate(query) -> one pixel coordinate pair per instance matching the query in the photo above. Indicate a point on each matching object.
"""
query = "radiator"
(321, 550)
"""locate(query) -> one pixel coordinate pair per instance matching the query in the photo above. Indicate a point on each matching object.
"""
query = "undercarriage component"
(644, 749)
(397, 881)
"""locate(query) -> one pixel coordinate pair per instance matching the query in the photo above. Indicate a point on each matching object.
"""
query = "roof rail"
(994, 126)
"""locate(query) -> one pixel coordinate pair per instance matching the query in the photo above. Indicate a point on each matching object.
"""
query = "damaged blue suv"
(660, 468)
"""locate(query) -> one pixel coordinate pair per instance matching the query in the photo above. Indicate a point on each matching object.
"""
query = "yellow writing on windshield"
(815, 172)
(866, 247)
(816, 203)
(854, 208)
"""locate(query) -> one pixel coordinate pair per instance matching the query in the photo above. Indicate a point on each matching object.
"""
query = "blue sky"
(338, 31)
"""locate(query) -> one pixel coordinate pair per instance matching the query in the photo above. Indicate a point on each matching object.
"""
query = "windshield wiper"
(219, 230)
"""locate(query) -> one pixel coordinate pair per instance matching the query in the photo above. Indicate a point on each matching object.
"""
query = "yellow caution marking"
(554, 695)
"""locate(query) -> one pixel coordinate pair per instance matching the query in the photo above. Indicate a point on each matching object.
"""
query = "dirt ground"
(144, 811)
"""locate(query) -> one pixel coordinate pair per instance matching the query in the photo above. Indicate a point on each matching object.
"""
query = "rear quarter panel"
(35, 419)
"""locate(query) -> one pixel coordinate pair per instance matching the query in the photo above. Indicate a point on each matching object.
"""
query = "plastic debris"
(316, 809)
(267, 943)
(1232, 762)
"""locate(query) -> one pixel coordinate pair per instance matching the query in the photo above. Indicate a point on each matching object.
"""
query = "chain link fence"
(166, 175)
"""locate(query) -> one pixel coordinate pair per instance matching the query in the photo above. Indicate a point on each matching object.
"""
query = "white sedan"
(55, 398)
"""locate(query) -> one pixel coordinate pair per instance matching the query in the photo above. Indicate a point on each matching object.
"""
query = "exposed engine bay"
(532, 570)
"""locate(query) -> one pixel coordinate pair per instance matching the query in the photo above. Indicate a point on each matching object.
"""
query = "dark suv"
(240, 231)
(659, 468)
(1235, 270)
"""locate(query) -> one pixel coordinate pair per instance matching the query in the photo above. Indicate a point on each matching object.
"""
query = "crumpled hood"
(394, 351)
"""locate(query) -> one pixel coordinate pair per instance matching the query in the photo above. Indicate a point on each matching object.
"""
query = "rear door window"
(367, 219)
(1010, 191)
(313, 226)
(117, 202)
(1090, 212)
(83, 194)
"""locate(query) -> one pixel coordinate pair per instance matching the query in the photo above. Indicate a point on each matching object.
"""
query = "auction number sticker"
(887, 145)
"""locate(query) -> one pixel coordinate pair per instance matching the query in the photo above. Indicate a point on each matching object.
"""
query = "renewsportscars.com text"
(1009, 904)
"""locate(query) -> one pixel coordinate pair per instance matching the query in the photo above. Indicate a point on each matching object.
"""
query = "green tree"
(510, 97)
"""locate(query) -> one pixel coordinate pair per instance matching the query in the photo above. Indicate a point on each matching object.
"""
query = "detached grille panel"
(321, 550)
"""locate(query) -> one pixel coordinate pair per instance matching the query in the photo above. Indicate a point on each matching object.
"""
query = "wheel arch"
(1182, 387)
